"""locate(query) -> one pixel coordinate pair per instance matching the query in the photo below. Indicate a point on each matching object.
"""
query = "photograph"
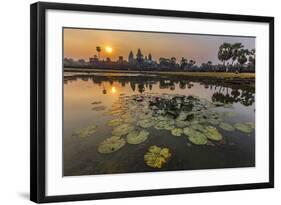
(145, 101)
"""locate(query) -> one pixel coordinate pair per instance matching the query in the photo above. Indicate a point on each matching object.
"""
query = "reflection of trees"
(141, 87)
(182, 84)
(223, 91)
(133, 86)
(245, 97)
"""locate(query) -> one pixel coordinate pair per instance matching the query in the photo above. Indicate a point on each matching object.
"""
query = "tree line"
(234, 57)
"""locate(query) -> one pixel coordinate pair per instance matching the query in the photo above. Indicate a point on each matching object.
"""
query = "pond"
(159, 123)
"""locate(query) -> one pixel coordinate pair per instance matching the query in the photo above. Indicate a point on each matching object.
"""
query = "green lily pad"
(86, 132)
(169, 127)
(115, 122)
(156, 156)
(181, 124)
(143, 116)
(195, 137)
(122, 129)
(182, 116)
(213, 121)
(251, 124)
(177, 131)
(146, 123)
(226, 126)
(230, 114)
(111, 144)
(136, 137)
(198, 127)
(167, 124)
(212, 133)
(243, 127)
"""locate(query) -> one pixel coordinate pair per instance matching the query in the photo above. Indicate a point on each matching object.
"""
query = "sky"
(82, 43)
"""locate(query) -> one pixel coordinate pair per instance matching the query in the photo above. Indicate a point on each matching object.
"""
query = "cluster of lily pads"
(194, 118)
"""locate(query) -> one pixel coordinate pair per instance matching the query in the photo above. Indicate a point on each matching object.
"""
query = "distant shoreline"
(221, 75)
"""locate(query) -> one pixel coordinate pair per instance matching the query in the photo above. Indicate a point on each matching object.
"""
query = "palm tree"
(235, 49)
(252, 58)
(242, 56)
(98, 49)
(209, 64)
(225, 53)
(183, 63)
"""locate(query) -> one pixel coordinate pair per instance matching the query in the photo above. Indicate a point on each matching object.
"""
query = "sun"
(108, 49)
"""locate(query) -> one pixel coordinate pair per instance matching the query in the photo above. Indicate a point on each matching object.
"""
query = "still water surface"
(81, 157)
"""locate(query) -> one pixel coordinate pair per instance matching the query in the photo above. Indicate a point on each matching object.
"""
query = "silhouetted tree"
(98, 49)
(225, 53)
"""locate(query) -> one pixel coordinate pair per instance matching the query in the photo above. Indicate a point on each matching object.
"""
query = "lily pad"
(226, 126)
(243, 127)
(86, 132)
(251, 124)
(146, 123)
(213, 121)
(198, 127)
(167, 124)
(115, 122)
(111, 144)
(182, 116)
(181, 124)
(177, 131)
(156, 156)
(212, 133)
(143, 116)
(136, 137)
(230, 114)
(195, 137)
(122, 129)
(169, 127)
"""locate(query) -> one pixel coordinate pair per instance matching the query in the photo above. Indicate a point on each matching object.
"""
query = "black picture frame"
(38, 100)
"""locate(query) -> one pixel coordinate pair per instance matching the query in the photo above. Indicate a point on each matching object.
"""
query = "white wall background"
(14, 100)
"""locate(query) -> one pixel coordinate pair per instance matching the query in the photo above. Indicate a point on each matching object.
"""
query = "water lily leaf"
(111, 144)
(218, 104)
(243, 127)
(251, 124)
(212, 133)
(177, 131)
(86, 132)
(115, 122)
(156, 156)
(228, 105)
(195, 137)
(230, 114)
(122, 129)
(182, 116)
(213, 121)
(167, 124)
(143, 116)
(226, 126)
(198, 127)
(146, 123)
(136, 137)
(160, 125)
(181, 124)
(169, 127)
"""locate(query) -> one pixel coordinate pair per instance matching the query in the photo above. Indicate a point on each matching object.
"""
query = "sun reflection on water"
(113, 90)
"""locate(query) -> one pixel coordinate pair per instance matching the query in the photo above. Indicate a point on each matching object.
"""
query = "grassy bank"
(222, 75)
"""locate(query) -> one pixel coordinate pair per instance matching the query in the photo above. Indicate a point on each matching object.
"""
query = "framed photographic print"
(129, 102)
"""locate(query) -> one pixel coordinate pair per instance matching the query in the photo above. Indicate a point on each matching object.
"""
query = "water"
(88, 97)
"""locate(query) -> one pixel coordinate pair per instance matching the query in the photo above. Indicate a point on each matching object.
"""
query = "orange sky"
(81, 43)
